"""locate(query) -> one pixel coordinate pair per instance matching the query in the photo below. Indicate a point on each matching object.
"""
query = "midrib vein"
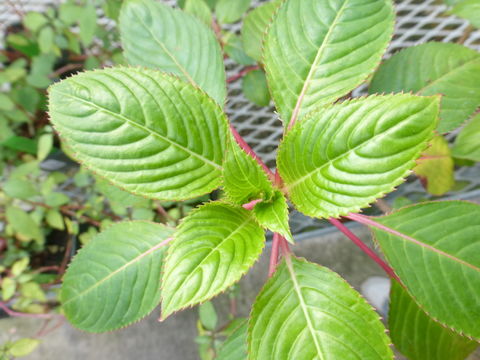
(144, 128)
(313, 69)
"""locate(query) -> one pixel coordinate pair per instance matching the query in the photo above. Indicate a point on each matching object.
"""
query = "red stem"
(242, 73)
(11, 312)
(364, 247)
(249, 151)
(274, 255)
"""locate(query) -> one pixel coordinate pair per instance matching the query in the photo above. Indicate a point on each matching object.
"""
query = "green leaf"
(435, 252)
(208, 315)
(467, 143)
(34, 21)
(435, 68)
(157, 36)
(55, 219)
(23, 347)
(230, 11)
(19, 189)
(114, 280)
(45, 145)
(55, 199)
(244, 179)
(214, 246)
(233, 47)
(6, 104)
(22, 144)
(435, 167)
(147, 132)
(8, 288)
(24, 226)
(255, 88)
(46, 40)
(235, 346)
(317, 51)
(418, 336)
(112, 8)
(273, 214)
(468, 10)
(255, 26)
(88, 23)
(199, 9)
(306, 311)
(19, 266)
(343, 157)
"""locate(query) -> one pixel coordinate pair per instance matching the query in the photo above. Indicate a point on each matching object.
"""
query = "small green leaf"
(235, 346)
(22, 144)
(8, 288)
(435, 252)
(69, 12)
(32, 290)
(6, 104)
(56, 199)
(164, 140)
(317, 51)
(23, 347)
(451, 70)
(467, 143)
(114, 280)
(273, 214)
(24, 226)
(46, 40)
(19, 266)
(233, 47)
(20, 189)
(208, 315)
(255, 26)
(45, 144)
(112, 8)
(230, 11)
(418, 336)
(199, 9)
(55, 219)
(255, 88)
(34, 21)
(435, 167)
(159, 37)
(244, 179)
(306, 311)
(468, 10)
(214, 247)
(88, 23)
(343, 157)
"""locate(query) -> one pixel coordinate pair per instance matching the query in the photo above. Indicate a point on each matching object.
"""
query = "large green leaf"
(214, 246)
(469, 10)
(273, 214)
(467, 143)
(306, 311)
(343, 157)
(145, 131)
(435, 167)
(243, 178)
(235, 346)
(157, 36)
(317, 51)
(115, 279)
(254, 27)
(418, 336)
(435, 68)
(436, 253)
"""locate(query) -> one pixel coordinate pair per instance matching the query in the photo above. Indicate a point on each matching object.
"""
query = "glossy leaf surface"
(214, 247)
(467, 143)
(306, 311)
(435, 68)
(273, 214)
(114, 280)
(317, 51)
(147, 132)
(343, 157)
(418, 336)
(436, 254)
(159, 37)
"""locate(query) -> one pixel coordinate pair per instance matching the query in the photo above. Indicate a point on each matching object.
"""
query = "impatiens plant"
(157, 129)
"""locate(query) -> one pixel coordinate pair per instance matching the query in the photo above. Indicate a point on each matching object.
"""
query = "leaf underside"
(317, 51)
(341, 158)
(147, 132)
(306, 311)
(438, 259)
(159, 37)
(451, 70)
(418, 336)
(214, 247)
(115, 279)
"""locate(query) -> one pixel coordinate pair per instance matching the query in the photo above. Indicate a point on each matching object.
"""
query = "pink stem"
(274, 255)
(364, 247)
(11, 312)
(251, 204)
(242, 73)
(365, 220)
(250, 152)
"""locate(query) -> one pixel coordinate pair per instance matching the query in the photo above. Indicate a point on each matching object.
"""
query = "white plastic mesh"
(418, 21)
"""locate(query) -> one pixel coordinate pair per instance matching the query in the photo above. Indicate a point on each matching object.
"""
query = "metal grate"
(418, 21)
